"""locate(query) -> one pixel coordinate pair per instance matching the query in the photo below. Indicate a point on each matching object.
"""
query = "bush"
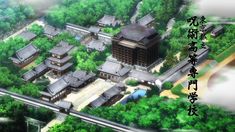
(132, 82)
(167, 85)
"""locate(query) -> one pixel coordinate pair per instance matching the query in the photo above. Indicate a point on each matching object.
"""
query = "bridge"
(83, 116)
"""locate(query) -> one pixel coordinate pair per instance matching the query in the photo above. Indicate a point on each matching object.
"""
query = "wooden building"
(113, 71)
(136, 45)
(147, 21)
(217, 31)
(108, 20)
(25, 55)
(59, 61)
(27, 35)
(50, 31)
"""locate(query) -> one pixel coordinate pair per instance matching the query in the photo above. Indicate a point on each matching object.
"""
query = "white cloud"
(220, 8)
(221, 89)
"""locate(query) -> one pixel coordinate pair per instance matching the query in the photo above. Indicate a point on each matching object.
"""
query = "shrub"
(132, 82)
(167, 85)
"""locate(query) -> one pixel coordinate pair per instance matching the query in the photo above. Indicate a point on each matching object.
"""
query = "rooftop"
(98, 102)
(115, 90)
(143, 76)
(40, 68)
(25, 53)
(57, 86)
(27, 35)
(29, 75)
(65, 104)
(114, 68)
(96, 45)
(135, 32)
(145, 20)
(61, 48)
(94, 29)
(51, 30)
(60, 68)
(107, 20)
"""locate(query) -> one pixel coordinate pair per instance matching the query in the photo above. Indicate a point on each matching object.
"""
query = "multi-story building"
(59, 61)
(136, 45)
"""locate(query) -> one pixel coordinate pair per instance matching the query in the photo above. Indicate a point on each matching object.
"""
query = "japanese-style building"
(113, 71)
(109, 97)
(136, 45)
(50, 31)
(27, 35)
(25, 55)
(147, 21)
(59, 62)
(108, 20)
(36, 72)
(67, 83)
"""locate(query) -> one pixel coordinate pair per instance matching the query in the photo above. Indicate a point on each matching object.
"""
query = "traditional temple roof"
(25, 53)
(98, 102)
(27, 35)
(96, 45)
(135, 32)
(115, 90)
(62, 61)
(57, 86)
(60, 68)
(78, 78)
(65, 104)
(145, 20)
(114, 68)
(61, 48)
(30, 75)
(142, 76)
(52, 31)
(41, 68)
(107, 20)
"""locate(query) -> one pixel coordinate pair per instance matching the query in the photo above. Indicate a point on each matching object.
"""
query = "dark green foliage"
(28, 89)
(10, 15)
(153, 91)
(157, 112)
(167, 85)
(73, 124)
(132, 82)
(177, 90)
(7, 79)
(170, 62)
(85, 12)
(162, 10)
(41, 114)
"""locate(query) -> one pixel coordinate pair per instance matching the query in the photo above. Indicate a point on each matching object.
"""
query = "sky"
(221, 8)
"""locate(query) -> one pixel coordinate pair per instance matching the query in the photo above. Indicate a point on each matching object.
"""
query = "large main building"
(136, 45)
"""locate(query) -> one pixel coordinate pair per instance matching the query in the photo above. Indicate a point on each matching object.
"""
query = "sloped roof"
(145, 20)
(57, 86)
(111, 92)
(96, 45)
(65, 104)
(61, 48)
(40, 68)
(27, 35)
(142, 76)
(136, 32)
(107, 20)
(26, 52)
(51, 30)
(29, 75)
(114, 68)
(98, 102)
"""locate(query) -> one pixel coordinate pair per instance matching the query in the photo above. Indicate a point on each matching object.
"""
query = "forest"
(16, 112)
(157, 113)
(13, 14)
(84, 12)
